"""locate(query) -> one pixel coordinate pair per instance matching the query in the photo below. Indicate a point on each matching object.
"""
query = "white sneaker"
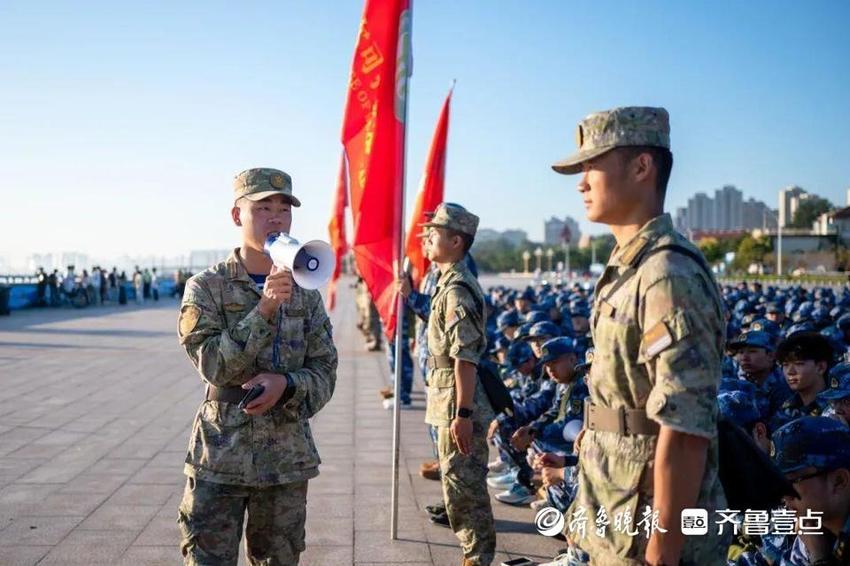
(497, 467)
(517, 495)
(504, 481)
(539, 504)
(560, 560)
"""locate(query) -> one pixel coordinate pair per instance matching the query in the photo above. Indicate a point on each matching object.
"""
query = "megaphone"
(311, 264)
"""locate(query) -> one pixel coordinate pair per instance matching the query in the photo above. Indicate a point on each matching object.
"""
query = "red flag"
(430, 194)
(336, 229)
(373, 136)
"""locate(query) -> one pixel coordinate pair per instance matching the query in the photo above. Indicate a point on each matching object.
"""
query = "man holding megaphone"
(256, 330)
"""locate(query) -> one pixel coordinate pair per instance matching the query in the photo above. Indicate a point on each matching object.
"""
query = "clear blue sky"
(122, 124)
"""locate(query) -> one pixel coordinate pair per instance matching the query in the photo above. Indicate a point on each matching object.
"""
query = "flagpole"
(399, 325)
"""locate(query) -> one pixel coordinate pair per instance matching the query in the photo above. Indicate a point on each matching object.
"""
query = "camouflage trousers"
(464, 480)
(211, 517)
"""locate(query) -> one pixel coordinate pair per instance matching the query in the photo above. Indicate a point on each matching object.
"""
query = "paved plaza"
(95, 410)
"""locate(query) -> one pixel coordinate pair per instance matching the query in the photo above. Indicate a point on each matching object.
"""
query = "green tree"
(711, 249)
(809, 210)
(751, 250)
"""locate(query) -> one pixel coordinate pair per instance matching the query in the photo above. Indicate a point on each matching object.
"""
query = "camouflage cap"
(588, 362)
(811, 442)
(754, 339)
(839, 383)
(454, 217)
(257, 184)
(601, 132)
(738, 407)
(555, 348)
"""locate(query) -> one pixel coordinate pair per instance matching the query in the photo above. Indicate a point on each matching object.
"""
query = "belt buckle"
(622, 423)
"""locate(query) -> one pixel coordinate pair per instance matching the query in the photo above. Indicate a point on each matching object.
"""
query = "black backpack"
(749, 477)
(488, 373)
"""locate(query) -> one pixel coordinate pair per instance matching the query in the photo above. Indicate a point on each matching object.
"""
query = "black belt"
(225, 394)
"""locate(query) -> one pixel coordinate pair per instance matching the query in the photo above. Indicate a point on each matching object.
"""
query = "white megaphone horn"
(311, 264)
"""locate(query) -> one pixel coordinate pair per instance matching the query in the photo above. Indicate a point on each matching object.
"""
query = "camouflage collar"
(235, 268)
(630, 253)
(454, 272)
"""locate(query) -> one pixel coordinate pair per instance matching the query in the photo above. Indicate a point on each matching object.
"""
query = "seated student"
(814, 455)
(547, 430)
(805, 358)
(838, 394)
(755, 354)
(557, 469)
(740, 408)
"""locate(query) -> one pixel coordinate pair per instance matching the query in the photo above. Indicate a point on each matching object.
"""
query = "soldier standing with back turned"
(244, 322)
(457, 404)
(650, 437)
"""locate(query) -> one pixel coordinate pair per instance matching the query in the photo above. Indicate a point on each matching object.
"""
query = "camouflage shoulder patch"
(456, 316)
(656, 339)
(189, 316)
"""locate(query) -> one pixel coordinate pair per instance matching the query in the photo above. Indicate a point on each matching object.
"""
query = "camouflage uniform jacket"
(455, 329)
(794, 408)
(229, 342)
(771, 394)
(659, 342)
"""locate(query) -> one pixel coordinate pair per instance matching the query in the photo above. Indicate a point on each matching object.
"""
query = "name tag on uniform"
(656, 339)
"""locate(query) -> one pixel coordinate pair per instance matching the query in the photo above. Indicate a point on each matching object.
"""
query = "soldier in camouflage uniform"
(658, 331)
(243, 322)
(457, 404)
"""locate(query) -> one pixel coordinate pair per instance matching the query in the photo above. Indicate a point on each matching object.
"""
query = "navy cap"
(588, 361)
(819, 442)
(555, 348)
(544, 329)
(518, 354)
(506, 319)
(839, 383)
(737, 384)
(522, 332)
(772, 308)
(739, 407)
(536, 316)
(501, 343)
(754, 339)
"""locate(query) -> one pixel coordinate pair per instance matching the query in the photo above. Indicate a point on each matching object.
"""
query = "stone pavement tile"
(449, 556)
(326, 507)
(371, 474)
(32, 531)
(377, 517)
(327, 556)
(22, 555)
(145, 494)
(91, 482)
(370, 546)
(330, 531)
(429, 563)
(172, 475)
(66, 504)
(14, 468)
(130, 449)
(161, 531)
(150, 556)
(18, 493)
(120, 517)
(126, 466)
(534, 546)
(89, 547)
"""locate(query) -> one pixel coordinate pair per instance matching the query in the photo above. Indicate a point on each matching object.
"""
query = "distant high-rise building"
(789, 200)
(727, 211)
(727, 208)
(756, 214)
(514, 237)
(554, 228)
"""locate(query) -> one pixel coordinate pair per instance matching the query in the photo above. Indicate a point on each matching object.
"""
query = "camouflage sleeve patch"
(682, 354)
(189, 315)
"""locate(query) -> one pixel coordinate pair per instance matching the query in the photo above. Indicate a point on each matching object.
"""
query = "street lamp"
(765, 212)
(538, 253)
(526, 257)
(549, 253)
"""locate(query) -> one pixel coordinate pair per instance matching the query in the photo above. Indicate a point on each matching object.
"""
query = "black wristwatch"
(464, 413)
